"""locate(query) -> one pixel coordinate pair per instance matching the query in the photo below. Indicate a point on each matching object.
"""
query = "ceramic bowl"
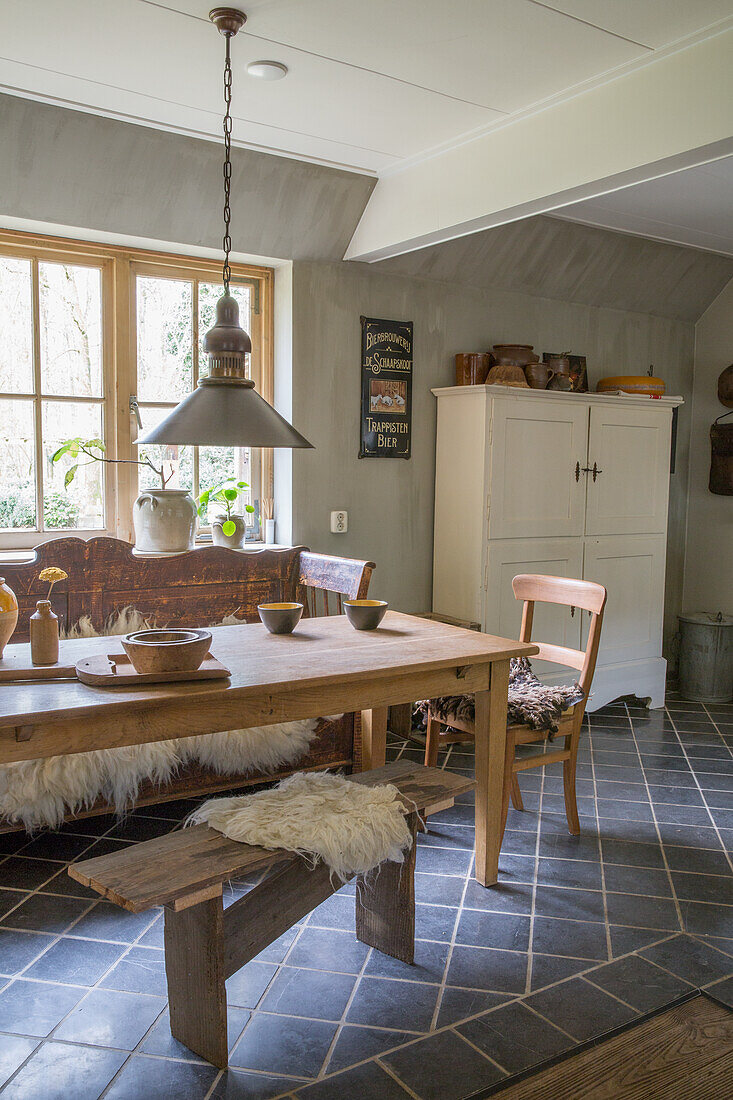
(365, 614)
(280, 618)
(167, 650)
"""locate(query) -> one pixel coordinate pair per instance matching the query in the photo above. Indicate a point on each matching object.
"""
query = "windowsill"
(19, 555)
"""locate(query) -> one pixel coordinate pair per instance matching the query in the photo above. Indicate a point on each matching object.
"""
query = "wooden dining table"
(324, 667)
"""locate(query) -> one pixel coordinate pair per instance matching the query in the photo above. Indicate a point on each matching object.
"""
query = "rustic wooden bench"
(206, 943)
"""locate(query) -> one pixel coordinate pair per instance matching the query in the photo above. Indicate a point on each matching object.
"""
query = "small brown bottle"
(44, 635)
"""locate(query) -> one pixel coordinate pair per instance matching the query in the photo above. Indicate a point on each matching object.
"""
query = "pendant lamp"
(225, 410)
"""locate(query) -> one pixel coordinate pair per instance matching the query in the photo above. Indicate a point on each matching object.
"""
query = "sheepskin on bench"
(41, 793)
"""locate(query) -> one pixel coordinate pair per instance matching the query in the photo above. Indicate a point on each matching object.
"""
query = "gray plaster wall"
(390, 501)
(70, 168)
(709, 556)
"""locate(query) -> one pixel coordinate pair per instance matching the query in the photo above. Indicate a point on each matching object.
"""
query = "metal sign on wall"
(386, 388)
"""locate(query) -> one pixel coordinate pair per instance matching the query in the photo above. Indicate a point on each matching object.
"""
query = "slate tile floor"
(582, 935)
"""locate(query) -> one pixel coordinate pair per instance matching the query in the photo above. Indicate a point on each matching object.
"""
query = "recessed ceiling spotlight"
(267, 70)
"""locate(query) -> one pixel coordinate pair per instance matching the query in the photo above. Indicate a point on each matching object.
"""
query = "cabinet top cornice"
(514, 393)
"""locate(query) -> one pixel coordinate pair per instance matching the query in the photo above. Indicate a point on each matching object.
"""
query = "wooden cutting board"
(116, 670)
(17, 668)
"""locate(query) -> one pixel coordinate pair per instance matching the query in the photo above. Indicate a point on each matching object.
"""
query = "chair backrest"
(335, 579)
(534, 588)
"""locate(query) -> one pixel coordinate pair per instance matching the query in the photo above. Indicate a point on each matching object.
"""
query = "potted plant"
(228, 527)
(164, 519)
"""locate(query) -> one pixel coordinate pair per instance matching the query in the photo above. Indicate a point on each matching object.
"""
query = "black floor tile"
(428, 966)
(141, 970)
(35, 1008)
(46, 913)
(368, 1082)
(571, 904)
(443, 1067)
(161, 1079)
(59, 1070)
(577, 939)
(693, 887)
(18, 873)
(632, 853)
(639, 983)
(638, 880)
(283, 1044)
(356, 1044)
(110, 1019)
(61, 846)
(624, 940)
(17, 949)
(548, 969)
(506, 897)
(109, 922)
(328, 949)
(160, 1041)
(336, 912)
(442, 861)
(238, 1084)
(690, 836)
(705, 919)
(723, 991)
(435, 922)
(581, 1009)
(438, 889)
(515, 1037)
(570, 872)
(138, 827)
(458, 1004)
(690, 959)
(488, 968)
(642, 912)
(245, 988)
(382, 1002)
(75, 962)
(14, 1050)
(313, 993)
(504, 930)
(699, 860)
(681, 815)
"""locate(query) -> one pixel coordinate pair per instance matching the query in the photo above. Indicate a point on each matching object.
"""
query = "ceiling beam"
(672, 113)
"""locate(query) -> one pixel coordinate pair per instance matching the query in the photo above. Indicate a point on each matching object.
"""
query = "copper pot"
(538, 375)
(472, 367)
(518, 355)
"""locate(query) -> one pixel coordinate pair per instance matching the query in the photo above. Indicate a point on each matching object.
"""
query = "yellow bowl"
(280, 618)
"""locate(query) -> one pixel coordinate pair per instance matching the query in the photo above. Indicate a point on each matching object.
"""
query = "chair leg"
(516, 793)
(432, 742)
(568, 778)
(508, 781)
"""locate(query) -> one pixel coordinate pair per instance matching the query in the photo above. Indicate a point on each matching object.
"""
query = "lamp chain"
(227, 242)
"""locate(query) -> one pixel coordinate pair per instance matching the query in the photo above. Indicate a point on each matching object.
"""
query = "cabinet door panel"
(503, 614)
(632, 570)
(630, 446)
(534, 451)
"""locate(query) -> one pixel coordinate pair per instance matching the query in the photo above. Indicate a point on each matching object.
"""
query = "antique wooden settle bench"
(205, 943)
(199, 588)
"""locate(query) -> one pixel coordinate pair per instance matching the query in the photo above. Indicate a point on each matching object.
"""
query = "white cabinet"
(576, 485)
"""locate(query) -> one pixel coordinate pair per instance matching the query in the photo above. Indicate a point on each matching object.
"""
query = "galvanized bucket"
(706, 657)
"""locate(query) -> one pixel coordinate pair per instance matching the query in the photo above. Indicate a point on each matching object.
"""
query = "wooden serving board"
(17, 668)
(116, 670)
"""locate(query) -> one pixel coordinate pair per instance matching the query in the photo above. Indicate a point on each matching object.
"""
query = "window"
(82, 330)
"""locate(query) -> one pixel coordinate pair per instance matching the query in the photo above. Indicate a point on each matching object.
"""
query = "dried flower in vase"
(51, 576)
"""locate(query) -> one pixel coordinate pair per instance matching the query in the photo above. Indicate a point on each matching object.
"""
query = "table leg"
(491, 708)
(373, 737)
(400, 719)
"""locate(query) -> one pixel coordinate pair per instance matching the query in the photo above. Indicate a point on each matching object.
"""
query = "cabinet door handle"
(596, 471)
(577, 471)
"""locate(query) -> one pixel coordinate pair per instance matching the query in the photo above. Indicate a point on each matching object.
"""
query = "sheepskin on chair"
(38, 793)
(531, 703)
(350, 827)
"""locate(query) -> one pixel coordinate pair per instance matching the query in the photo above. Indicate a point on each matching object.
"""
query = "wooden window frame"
(120, 266)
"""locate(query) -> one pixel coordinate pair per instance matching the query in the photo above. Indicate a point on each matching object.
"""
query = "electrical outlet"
(339, 523)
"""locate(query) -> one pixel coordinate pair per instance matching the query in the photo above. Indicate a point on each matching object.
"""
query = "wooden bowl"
(167, 650)
(280, 618)
(365, 614)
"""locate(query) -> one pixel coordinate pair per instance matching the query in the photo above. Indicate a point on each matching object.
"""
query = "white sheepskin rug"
(38, 793)
(352, 828)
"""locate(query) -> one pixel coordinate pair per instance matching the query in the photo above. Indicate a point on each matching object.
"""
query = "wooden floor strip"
(686, 1051)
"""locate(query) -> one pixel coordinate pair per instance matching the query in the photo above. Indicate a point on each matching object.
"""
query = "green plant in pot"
(228, 527)
(164, 519)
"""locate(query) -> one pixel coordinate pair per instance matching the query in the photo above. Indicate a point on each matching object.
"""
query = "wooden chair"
(533, 588)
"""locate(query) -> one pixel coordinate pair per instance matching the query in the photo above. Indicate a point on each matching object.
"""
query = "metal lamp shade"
(225, 412)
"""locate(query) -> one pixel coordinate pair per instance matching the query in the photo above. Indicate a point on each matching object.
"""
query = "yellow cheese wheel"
(632, 383)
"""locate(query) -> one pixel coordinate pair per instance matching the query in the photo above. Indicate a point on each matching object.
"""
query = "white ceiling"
(694, 208)
(372, 83)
